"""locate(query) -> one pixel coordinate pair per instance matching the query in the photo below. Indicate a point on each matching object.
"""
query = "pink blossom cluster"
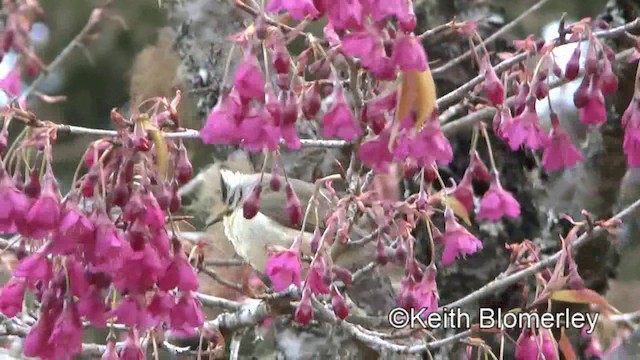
(102, 253)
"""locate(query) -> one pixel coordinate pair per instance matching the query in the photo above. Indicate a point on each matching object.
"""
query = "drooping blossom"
(109, 251)
(92, 307)
(428, 147)
(631, 124)
(11, 297)
(497, 202)
(533, 347)
(345, 14)
(259, 131)
(316, 279)
(131, 349)
(111, 352)
(249, 80)
(221, 126)
(408, 53)
(525, 129)
(298, 9)
(458, 242)
(140, 270)
(35, 267)
(338, 303)
(284, 268)
(66, 336)
(559, 152)
(492, 85)
(12, 82)
(375, 153)
(304, 311)
(44, 214)
(36, 344)
(186, 315)
(179, 274)
(74, 229)
(425, 292)
(160, 306)
(594, 111)
(14, 204)
(131, 311)
(339, 121)
(463, 192)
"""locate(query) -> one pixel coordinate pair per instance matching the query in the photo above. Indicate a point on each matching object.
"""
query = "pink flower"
(36, 344)
(365, 45)
(14, 204)
(339, 120)
(179, 275)
(463, 192)
(11, 297)
(35, 267)
(187, 315)
(12, 82)
(492, 84)
(525, 129)
(110, 250)
(249, 81)
(131, 311)
(381, 9)
(429, 146)
(283, 268)
(66, 337)
(408, 53)
(344, 14)
(338, 304)
(74, 229)
(425, 292)
(161, 305)
(304, 310)
(259, 131)
(375, 153)
(559, 152)
(458, 241)
(132, 349)
(44, 214)
(222, 126)
(532, 347)
(594, 112)
(317, 275)
(141, 269)
(631, 124)
(298, 9)
(77, 277)
(92, 307)
(478, 168)
(110, 353)
(497, 202)
(153, 214)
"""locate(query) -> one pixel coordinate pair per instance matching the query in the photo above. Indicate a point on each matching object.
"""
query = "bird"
(271, 227)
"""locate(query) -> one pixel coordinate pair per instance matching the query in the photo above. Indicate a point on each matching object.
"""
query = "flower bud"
(282, 81)
(311, 102)
(251, 204)
(338, 304)
(315, 240)
(87, 186)
(120, 194)
(343, 275)
(261, 27)
(293, 207)
(32, 188)
(184, 169)
(557, 71)
(275, 183)
(521, 98)
(608, 79)
(289, 108)
(581, 96)
(281, 59)
(573, 65)
(541, 90)
(591, 65)
(118, 119)
(401, 252)
(7, 42)
(176, 200)
(478, 168)
(304, 310)
(381, 253)
(430, 175)
(492, 85)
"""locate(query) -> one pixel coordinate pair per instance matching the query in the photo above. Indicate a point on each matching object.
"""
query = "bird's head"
(234, 187)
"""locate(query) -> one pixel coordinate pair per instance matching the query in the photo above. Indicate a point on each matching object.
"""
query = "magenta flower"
(131, 311)
(534, 347)
(92, 307)
(365, 45)
(283, 268)
(429, 146)
(338, 304)
(132, 349)
(344, 14)
(187, 315)
(66, 337)
(12, 82)
(375, 153)
(14, 204)
(339, 120)
(497, 202)
(110, 353)
(381, 9)
(316, 279)
(492, 84)
(559, 152)
(77, 277)
(44, 215)
(140, 271)
(458, 241)
(425, 292)
(35, 267)
(463, 192)
(298, 9)
(408, 53)
(110, 250)
(153, 214)
(249, 80)
(478, 168)
(525, 129)
(222, 126)
(594, 112)
(11, 297)
(304, 310)
(631, 124)
(179, 274)
(160, 306)
(36, 344)
(74, 229)
(259, 131)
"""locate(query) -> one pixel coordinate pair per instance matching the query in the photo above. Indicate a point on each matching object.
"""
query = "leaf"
(407, 94)
(426, 101)
(457, 207)
(584, 296)
(565, 346)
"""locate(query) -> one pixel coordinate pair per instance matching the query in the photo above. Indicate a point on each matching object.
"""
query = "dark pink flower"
(35, 267)
(258, 131)
(478, 168)
(533, 347)
(381, 9)
(187, 315)
(222, 126)
(66, 337)
(131, 311)
(338, 304)
(161, 305)
(77, 277)
(131, 349)
(179, 275)
(153, 214)
(573, 65)
(298, 9)
(408, 53)
(110, 353)
(92, 307)
(74, 229)
(492, 84)
(375, 153)
(497, 202)
(406, 298)
(249, 81)
(344, 14)
(339, 120)
(365, 45)
(44, 214)
(110, 250)
(559, 152)
(36, 344)
(608, 79)
(525, 129)
(631, 124)
(14, 204)
(428, 147)
(283, 268)
(594, 112)
(317, 276)
(425, 292)
(463, 192)
(11, 297)
(304, 310)
(12, 82)
(140, 270)
(458, 241)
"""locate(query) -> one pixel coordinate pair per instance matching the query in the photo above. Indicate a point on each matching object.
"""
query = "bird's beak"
(224, 212)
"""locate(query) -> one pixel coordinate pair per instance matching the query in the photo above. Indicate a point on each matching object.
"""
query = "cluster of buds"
(103, 252)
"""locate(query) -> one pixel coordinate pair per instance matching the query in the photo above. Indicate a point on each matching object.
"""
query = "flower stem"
(483, 128)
